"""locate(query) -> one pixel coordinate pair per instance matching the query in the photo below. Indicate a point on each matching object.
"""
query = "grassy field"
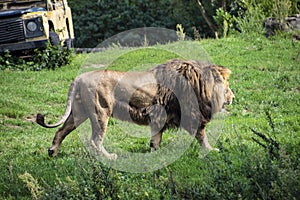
(266, 83)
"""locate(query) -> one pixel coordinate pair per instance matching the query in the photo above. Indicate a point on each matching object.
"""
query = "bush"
(252, 14)
(51, 58)
(11, 62)
(224, 20)
(251, 21)
(104, 19)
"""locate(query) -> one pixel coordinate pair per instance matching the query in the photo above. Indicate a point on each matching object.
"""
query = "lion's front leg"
(203, 140)
(155, 140)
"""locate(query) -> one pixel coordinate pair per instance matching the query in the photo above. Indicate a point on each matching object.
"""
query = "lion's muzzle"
(229, 96)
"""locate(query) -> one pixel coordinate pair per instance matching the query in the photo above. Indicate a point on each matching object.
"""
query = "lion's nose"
(229, 101)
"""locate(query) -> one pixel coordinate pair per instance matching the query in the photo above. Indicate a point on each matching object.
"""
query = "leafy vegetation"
(259, 143)
(51, 58)
(103, 19)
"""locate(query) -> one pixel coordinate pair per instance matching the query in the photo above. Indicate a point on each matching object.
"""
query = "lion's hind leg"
(99, 126)
(69, 125)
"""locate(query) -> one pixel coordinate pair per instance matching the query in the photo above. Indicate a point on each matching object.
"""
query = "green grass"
(265, 78)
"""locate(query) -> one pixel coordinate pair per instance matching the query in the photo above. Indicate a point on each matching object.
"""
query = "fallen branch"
(210, 24)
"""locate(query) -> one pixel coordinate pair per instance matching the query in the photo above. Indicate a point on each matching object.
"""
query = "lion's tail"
(40, 119)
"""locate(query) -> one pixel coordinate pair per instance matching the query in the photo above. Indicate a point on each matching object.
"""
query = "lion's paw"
(215, 149)
(112, 156)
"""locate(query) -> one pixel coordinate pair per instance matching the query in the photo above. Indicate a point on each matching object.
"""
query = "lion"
(177, 94)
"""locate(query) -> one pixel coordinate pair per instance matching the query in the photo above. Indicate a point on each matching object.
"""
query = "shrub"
(251, 22)
(225, 21)
(252, 14)
(51, 58)
(8, 61)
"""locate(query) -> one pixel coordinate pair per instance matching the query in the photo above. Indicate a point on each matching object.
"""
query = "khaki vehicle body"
(30, 24)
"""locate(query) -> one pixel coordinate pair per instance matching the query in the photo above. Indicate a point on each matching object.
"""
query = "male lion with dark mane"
(177, 94)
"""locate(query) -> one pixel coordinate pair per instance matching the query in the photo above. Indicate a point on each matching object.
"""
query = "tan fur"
(178, 93)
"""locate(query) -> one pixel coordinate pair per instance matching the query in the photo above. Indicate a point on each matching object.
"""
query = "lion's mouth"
(226, 103)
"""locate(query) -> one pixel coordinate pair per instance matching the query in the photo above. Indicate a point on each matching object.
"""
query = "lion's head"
(228, 94)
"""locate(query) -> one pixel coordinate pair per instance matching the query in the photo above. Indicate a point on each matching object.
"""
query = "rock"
(289, 24)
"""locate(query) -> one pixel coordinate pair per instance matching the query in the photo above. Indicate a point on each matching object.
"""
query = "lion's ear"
(224, 72)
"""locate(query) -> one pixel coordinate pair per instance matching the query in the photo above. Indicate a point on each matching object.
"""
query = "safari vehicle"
(30, 24)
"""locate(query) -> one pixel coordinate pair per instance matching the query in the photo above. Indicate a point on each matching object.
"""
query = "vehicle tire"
(69, 43)
(54, 38)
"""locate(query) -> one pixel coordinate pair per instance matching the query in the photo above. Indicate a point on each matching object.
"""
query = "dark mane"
(185, 90)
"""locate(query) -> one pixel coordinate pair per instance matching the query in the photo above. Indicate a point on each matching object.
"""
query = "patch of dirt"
(9, 122)
(13, 126)
(31, 119)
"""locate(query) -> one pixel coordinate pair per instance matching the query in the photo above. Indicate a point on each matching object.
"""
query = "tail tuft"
(40, 119)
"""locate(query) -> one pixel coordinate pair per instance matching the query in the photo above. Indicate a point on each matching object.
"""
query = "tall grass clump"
(32, 185)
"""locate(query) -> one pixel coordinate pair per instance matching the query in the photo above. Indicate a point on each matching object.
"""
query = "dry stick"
(211, 25)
